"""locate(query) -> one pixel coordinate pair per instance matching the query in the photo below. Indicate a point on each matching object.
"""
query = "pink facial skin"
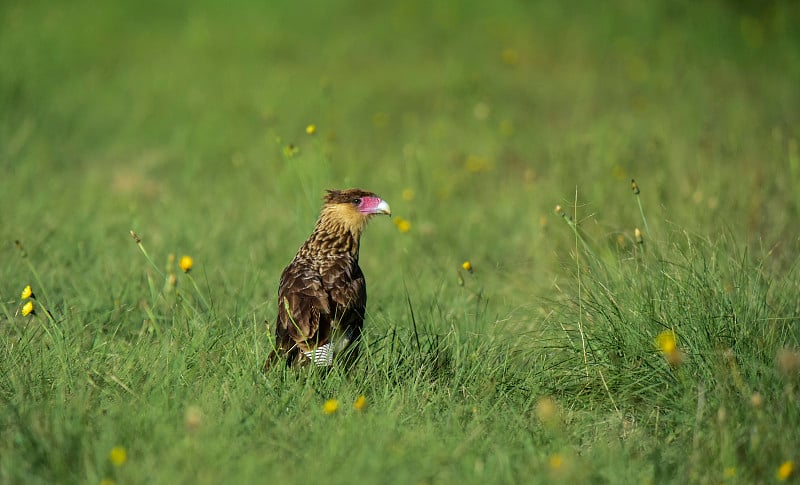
(374, 205)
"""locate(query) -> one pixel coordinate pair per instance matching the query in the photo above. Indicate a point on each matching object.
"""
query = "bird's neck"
(333, 237)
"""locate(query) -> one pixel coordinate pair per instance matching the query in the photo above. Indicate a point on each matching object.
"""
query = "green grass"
(474, 120)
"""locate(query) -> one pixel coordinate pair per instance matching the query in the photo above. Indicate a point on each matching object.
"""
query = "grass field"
(575, 351)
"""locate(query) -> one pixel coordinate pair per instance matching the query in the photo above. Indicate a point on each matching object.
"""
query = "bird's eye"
(357, 201)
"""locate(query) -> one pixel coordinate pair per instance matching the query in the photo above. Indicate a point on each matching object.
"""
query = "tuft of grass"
(682, 343)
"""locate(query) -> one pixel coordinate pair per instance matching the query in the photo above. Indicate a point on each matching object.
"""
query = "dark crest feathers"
(345, 196)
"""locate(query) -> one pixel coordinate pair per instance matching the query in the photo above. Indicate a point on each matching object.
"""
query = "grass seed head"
(788, 361)
(634, 187)
(722, 415)
(547, 411)
(290, 150)
(193, 419)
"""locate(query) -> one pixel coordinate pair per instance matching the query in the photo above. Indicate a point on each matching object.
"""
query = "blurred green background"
(172, 119)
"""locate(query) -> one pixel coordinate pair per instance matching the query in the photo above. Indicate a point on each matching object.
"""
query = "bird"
(322, 295)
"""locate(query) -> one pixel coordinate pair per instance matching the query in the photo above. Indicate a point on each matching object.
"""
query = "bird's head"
(351, 209)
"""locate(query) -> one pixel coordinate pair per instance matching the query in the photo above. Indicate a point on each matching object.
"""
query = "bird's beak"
(383, 208)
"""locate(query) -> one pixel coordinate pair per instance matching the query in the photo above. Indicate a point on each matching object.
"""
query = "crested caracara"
(322, 294)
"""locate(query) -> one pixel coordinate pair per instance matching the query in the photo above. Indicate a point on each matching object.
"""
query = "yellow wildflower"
(785, 470)
(330, 406)
(467, 266)
(118, 456)
(667, 343)
(408, 194)
(311, 129)
(556, 461)
(107, 481)
(729, 472)
(402, 224)
(27, 308)
(27, 292)
(360, 404)
(510, 56)
(186, 263)
(637, 235)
